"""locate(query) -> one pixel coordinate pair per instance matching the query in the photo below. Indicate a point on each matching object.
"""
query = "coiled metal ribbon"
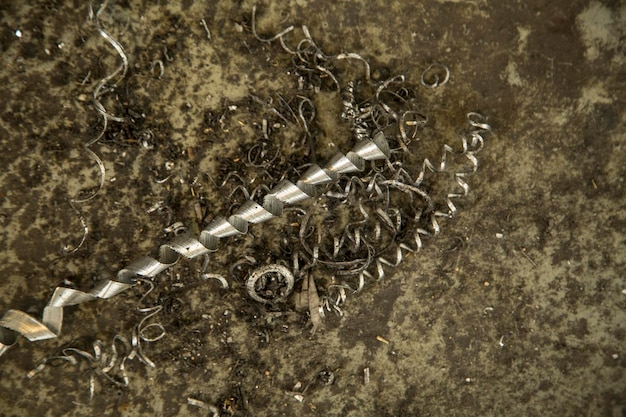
(15, 322)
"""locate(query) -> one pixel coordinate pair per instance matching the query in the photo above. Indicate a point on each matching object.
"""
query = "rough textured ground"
(517, 308)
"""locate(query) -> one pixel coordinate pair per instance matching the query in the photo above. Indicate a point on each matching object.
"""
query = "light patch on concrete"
(600, 29)
(523, 32)
(591, 95)
(512, 76)
(561, 116)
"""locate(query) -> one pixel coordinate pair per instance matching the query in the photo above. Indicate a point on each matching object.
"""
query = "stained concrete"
(518, 307)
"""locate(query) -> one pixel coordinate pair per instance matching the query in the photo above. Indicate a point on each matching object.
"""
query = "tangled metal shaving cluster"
(369, 179)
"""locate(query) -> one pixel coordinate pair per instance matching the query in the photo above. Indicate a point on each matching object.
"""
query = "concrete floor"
(517, 308)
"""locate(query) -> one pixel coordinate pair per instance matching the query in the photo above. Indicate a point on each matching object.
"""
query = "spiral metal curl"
(16, 322)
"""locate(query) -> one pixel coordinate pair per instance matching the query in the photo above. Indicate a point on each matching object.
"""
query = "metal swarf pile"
(347, 221)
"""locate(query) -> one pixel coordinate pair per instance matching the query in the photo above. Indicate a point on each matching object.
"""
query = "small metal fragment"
(431, 75)
(206, 29)
(202, 404)
(218, 277)
(158, 63)
(326, 377)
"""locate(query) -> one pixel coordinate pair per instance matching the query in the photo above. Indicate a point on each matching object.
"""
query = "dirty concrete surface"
(517, 308)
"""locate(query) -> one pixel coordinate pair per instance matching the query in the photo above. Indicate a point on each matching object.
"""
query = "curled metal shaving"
(270, 283)
(431, 75)
(102, 362)
(215, 412)
(273, 38)
(68, 248)
(99, 91)
(358, 57)
(16, 322)
(101, 86)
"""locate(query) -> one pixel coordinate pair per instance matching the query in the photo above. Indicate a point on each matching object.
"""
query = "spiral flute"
(16, 322)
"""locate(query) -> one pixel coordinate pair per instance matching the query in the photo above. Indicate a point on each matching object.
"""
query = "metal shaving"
(202, 404)
(104, 86)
